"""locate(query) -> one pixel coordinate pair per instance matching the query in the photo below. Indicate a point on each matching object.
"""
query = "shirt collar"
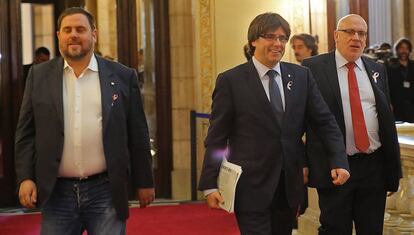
(341, 61)
(93, 64)
(262, 69)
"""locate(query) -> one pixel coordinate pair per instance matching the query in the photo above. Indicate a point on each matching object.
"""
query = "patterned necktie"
(358, 120)
(275, 96)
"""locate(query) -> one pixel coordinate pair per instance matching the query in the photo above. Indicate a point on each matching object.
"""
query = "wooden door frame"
(128, 55)
(10, 96)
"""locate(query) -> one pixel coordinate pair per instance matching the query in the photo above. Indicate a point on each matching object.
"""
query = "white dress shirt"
(264, 78)
(367, 101)
(83, 153)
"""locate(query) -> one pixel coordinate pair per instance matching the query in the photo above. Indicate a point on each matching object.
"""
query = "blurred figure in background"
(41, 54)
(401, 80)
(304, 45)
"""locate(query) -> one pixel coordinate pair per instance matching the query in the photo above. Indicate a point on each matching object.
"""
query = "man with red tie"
(356, 91)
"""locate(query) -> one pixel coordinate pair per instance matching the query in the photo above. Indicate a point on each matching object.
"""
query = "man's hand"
(28, 193)
(214, 200)
(305, 175)
(339, 176)
(145, 196)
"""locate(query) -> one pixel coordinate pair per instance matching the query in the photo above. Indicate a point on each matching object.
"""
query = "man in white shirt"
(356, 91)
(82, 136)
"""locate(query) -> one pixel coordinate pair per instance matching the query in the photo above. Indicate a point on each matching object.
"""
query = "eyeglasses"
(273, 37)
(351, 32)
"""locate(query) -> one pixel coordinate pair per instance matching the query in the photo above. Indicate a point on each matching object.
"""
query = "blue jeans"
(76, 206)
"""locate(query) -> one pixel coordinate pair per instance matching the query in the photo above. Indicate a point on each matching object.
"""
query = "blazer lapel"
(108, 90)
(55, 81)
(332, 77)
(375, 80)
(288, 80)
(256, 86)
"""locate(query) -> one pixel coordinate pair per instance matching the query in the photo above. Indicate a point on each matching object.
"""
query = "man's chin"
(75, 56)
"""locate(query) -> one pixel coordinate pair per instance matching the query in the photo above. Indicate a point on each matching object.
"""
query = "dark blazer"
(40, 130)
(242, 117)
(324, 70)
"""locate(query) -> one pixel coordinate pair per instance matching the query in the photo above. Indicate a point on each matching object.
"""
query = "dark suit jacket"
(323, 68)
(242, 117)
(40, 131)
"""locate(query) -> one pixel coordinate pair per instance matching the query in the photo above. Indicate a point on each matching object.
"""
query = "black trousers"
(361, 200)
(278, 219)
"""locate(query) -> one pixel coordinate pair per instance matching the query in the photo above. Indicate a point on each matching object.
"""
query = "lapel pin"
(114, 98)
(288, 75)
(289, 84)
(375, 76)
(112, 83)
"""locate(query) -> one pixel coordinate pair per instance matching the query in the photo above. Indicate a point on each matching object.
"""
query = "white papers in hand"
(227, 181)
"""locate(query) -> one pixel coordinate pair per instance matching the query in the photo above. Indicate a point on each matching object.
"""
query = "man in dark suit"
(82, 136)
(263, 131)
(356, 91)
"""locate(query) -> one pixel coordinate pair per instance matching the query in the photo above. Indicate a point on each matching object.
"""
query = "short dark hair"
(309, 41)
(76, 10)
(401, 41)
(42, 50)
(263, 24)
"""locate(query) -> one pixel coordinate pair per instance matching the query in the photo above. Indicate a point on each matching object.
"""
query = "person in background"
(260, 111)
(41, 54)
(401, 80)
(304, 46)
(141, 68)
(82, 136)
(356, 91)
(246, 52)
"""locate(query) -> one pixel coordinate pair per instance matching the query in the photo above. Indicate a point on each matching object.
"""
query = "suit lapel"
(55, 81)
(256, 86)
(332, 77)
(288, 80)
(375, 78)
(108, 89)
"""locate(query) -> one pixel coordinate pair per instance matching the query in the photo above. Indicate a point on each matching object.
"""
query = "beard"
(76, 55)
(79, 54)
(403, 56)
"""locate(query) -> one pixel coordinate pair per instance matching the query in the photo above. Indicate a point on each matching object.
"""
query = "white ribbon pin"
(375, 76)
(289, 85)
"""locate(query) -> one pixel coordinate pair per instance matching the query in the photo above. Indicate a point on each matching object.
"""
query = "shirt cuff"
(209, 191)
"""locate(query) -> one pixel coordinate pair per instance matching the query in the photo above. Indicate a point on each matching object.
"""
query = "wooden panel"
(331, 15)
(127, 33)
(10, 95)
(163, 91)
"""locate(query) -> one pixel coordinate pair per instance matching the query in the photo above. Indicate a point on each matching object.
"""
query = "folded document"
(227, 181)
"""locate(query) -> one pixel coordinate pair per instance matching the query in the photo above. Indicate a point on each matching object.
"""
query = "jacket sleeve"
(323, 122)
(25, 136)
(138, 139)
(218, 133)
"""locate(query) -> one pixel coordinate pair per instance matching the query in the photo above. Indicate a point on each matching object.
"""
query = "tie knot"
(271, 73)
(350, 65)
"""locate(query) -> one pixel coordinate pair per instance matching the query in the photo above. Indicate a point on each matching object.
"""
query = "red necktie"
(358, 121)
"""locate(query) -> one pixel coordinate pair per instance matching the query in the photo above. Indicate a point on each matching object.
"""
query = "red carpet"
(186, 219)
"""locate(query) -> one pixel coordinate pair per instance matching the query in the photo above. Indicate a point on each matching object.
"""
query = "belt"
(86, 178)
(364, 154)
